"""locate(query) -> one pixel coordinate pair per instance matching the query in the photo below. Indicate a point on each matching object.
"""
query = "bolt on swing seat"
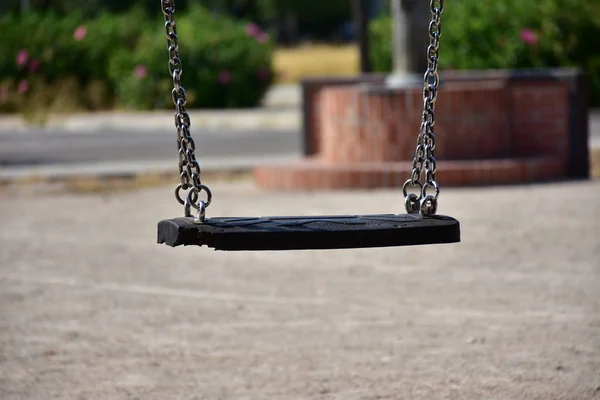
(419, 226)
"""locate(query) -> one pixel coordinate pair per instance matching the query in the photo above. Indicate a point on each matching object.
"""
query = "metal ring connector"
(180, 199)
(409, 182)
(201, 214)
(412, 201)
(433, 185)
(178, 189)
(428, 206)
(187, 207)
(208, 194)
(196, 191)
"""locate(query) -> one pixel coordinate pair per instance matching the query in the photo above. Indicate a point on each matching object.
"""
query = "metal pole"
(400, 23)
(409, 41)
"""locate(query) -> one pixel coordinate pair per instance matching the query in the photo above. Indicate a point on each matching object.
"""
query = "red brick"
(314, 174)
(474, 121)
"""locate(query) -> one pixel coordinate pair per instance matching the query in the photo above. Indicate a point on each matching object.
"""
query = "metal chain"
(424, 154)
(189, 168)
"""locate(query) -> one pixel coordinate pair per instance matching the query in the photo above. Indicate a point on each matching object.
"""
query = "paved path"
(91, 308)
(37, 147)
(134, 143)
(144, 142)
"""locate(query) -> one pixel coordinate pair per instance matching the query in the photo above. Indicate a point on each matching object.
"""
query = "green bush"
(44, 52)
(510, 34)
(122, 60)
(380, 43)
(225, 64)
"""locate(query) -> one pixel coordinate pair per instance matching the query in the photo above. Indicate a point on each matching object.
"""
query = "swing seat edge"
(310, 233)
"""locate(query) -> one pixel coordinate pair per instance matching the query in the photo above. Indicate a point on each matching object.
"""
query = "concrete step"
(283, 96)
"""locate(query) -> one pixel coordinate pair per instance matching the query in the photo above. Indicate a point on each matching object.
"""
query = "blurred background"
(66, 55)
(92, 308)
(66, 58)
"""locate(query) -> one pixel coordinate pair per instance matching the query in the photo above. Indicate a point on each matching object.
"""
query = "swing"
(419, 226)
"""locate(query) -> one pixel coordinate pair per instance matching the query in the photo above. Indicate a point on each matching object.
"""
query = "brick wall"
(360, 125)
(539, 119)
(494, 117)
(492, 127)
(311, 99)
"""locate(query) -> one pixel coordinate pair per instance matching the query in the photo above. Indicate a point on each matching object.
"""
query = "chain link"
(189, 168)
(424, 160)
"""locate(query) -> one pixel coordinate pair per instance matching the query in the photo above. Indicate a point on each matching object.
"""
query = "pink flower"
(34, 65)
(224, 77)
(263, 74)
(3, 94)
(22, 57)
(80, 33)
(529, 37)
(23, 86)
(252, 30)
(141, 71)
(263, 37)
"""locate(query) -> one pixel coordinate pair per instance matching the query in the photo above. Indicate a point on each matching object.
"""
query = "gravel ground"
(92, 308)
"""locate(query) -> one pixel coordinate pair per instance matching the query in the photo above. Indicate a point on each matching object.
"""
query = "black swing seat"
(310, 233)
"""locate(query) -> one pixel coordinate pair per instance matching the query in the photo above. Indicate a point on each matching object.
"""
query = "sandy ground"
(92, 308)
